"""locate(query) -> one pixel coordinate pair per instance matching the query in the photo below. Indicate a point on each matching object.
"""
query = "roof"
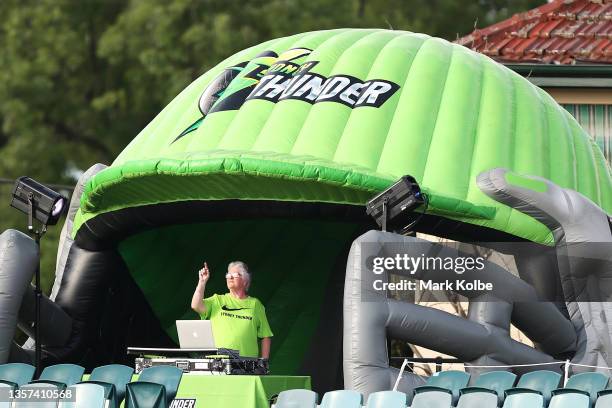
(559, 32)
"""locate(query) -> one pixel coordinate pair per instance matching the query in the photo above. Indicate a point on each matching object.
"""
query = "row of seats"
(448, 389)
(111, 384)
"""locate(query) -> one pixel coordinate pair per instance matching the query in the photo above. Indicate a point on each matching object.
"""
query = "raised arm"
(198, 295)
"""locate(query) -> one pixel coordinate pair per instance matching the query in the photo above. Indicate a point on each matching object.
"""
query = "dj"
(238, 320)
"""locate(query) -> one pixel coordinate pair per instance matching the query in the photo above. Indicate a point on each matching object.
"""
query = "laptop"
(195, 334)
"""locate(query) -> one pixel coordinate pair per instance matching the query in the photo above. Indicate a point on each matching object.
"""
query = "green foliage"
(79, 79)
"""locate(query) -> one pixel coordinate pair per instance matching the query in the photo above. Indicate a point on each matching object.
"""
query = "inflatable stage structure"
(270, 156)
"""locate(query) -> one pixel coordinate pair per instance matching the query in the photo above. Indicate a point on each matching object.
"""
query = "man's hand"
(204, 274)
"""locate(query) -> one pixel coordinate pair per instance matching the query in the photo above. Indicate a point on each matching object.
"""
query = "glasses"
(233, 275)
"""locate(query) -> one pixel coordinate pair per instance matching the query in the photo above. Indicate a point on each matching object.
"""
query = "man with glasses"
(238, 320)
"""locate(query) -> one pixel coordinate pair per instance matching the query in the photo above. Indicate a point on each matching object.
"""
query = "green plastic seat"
(590, 383)
(541, 381)
(387, 399)
(168, 376)
(342, 399)
(523, 398)
(17, 373)
(451, 380)
(142, 394)
(297, 399)
(563, 398)
(85, 395)
(33, 403)
(67, 374)
(478, 397)
(114, 379)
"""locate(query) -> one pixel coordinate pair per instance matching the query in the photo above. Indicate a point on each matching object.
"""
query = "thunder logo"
(276, 78)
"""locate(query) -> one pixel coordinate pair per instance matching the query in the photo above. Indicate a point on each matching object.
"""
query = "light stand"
(37, 289)
(46, 206)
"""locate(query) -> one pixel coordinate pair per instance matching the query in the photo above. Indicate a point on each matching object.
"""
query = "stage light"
(39, 201)
(394, 207)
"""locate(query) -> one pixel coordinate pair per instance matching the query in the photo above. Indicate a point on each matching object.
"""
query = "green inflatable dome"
(270, 157)
(335, 116)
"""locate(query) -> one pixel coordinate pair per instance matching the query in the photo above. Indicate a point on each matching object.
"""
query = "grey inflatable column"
(18, 261)
(365, 359)
(66, 240)
(584, 253)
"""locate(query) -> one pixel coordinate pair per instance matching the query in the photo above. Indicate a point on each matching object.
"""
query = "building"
(564, 47)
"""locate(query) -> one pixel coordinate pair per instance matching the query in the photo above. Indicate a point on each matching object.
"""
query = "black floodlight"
(38, 201)
(394, 207)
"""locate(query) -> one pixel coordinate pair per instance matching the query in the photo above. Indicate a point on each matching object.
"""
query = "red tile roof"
(559, 32)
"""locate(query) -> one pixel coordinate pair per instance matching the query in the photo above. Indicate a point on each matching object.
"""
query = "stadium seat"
(478, 398)
(16, 373)
(61, 374)
(541, 381)
(113, 378)
(33, 402)
(297, 399)
(342, 399)
(451, 380)
(168, 376)
(523, 398)
(5, 389)
(497, 381)
(563, 398)
(387, 399)
(591, 383)
(85, 395)
(604, 399)
(432, 397)
(145, 395)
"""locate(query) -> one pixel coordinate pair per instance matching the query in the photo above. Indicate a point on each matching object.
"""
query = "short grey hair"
(244, 271)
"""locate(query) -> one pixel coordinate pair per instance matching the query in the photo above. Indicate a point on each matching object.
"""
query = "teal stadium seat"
(16, 373)
(145, 395)
(114, 378)
(523, 398)
(297, 399)
(570, 399)
(168, 376)
(497, 381)
(66, 374)
(342, 399)
(432, 397)
(541, 381)
(478, 398)
(589, 383)
(387, 399)
(451, 380)
(604, 399)
(39, 387)
(85, 395)
(5, 389)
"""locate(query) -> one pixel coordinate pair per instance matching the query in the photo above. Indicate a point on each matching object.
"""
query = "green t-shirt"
(237, 323)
